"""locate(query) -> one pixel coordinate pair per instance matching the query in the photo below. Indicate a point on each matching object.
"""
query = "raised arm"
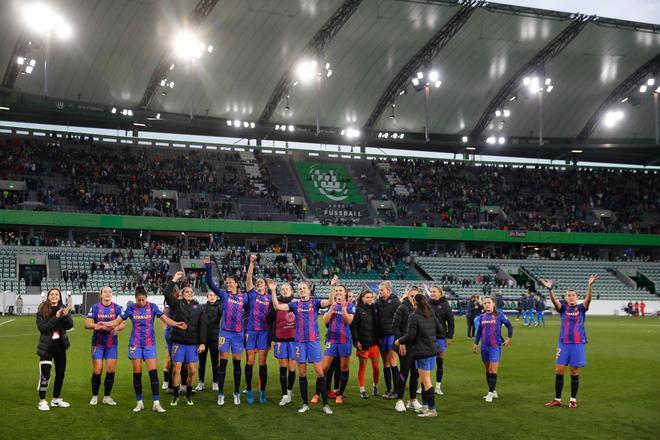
(327, 315)
(249, 281)
(209, 276)
(555, 302)
(272, 285)
(587, 300)
(169, 290)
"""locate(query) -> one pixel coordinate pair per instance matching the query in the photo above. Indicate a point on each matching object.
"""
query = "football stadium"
(329, 218)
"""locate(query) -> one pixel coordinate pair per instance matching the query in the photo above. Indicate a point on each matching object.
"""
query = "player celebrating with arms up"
(142, 343)
(489, 332)
(232, 331)
(257, 337)
(307, 345)
(571, 349)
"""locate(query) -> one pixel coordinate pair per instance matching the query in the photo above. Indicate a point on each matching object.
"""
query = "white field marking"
(7, 322)
(28, 334)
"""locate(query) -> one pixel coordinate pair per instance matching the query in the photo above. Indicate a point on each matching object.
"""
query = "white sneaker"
(237, 398)
(428, 413)
(400, 407)
(438, 389)
(489, 397)
(414, 404)
(43, 406)
(59, 403)
(200, 387)
(303, 409)
(157, 407)
(495, 396)
(286, 399)
(107, 400)
(327, 410)
(422, 409)
(419, 389)
(139, 407)
(165, 386)
(215, 386)
(94, 401)
(221, 399)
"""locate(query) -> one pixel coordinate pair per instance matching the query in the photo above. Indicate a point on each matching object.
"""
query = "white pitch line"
(7, 322)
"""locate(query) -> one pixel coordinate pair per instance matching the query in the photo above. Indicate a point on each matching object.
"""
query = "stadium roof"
(121, 51)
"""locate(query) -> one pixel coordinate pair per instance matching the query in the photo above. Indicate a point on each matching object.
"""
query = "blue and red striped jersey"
(259, 307)
(338, 330)
(571, 329)
(307, 326)
(100, 313)
(142, 333)
(489, 330)
(233, 306)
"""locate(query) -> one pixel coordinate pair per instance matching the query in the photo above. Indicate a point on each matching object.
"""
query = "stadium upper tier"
(80, 176)
(25, 269)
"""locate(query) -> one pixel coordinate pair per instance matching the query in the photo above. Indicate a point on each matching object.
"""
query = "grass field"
(619, 394)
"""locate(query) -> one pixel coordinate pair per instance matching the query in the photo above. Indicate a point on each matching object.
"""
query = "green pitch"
(619, 394)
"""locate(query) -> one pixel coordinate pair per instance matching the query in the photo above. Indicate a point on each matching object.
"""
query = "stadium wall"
(99, 221)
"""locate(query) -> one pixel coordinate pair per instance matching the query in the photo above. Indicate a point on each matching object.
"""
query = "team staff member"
(104, 345)
(142, 343)
(365, 338)
(489, 333)
(386, 306)
(283, 331)
(186, 344)
(257, 336)
(307, 345)
(213, 311)
(421, 337)
(232, 330)
(53, 320)
(443, 313)
(400, 327)
(572, 345)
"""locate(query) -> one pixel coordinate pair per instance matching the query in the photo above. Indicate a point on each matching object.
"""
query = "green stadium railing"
(100, 221)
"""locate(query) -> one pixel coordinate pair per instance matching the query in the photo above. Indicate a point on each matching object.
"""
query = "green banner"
(329, 183)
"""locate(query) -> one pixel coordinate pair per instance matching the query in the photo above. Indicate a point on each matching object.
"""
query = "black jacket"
(422, 335)
(443, 312)
(474, 309)
(400, 321)
(192, 313)
(364, 327)
(213, 315)
(48, 326)
(385, 309)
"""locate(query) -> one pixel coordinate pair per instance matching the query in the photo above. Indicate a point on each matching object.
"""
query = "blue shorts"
(426, 364)
(285, 350)
(336, 349)
(386, 344)
(574, 355)
(142, 352)
(184, 353)
(104, 353)
(257, 339)
(234, 341)
(308, 352)
(442, 345)
(490, 353)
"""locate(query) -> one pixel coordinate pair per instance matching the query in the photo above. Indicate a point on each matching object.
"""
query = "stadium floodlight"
(415, 82)
(548, 81)
(172, 66)
(252, 125)
(246, 124)
(291, 128)
(351, 133)
(209, 48)
(114, 110)
(41, 19)
(506, 113)
(498, 113)
(163, 82)
(501, 140)
(490, 140)
(513, 98)
(470, 148)
(306, 70)
(650, 82)
(188, 47)
(380, 135)
(20, 61)
(28, 69)
(157, 115)
(643, 88)
(433, 75)
(420, 75)
(230, 123)
(237, 123)
(464, 139)
(386, 135)
(576, 151)
(612, 117)
(549, 88)
(657, 90)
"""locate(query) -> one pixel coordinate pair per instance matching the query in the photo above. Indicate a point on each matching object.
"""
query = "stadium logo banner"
(330, 183)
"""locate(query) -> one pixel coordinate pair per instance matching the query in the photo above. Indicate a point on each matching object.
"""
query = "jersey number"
(222, 340)
(558, 352)
(297, 352)
(175, 349)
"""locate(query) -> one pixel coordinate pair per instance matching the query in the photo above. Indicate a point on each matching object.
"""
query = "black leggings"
(470, 327)
(407, 368)
(212, 347)
(57, 354)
